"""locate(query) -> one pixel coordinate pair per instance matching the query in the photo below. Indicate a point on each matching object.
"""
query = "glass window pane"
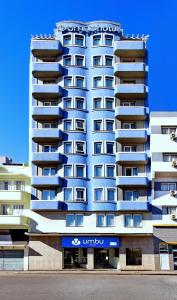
(97, 125)
(67, 39)
(98, 194)
(108, 60)
(97, 82)
(79, 40)
(109, 103)
(68, 194)
(110, 194)
(96, 40)
(70, 220)
(109, 220)
(109, 82)
(109, 148)
(68, 171)
(97, 103)
(67, 103)
(128, 220)
(67, 60)
(137, 220)
(110, 171)
(79, 103)
(68, 81)
(80, 171)
(109, 125)
(108, 40)
(98, 171)
(68, 148)
(100, 220)
(78, 220)
(97, 148)
(97, 60)
(80, 82)
(67, 125)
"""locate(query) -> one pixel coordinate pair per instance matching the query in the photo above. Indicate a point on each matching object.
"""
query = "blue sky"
(20, 19)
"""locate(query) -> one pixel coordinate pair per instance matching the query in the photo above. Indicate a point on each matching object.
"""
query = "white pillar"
(90, 258)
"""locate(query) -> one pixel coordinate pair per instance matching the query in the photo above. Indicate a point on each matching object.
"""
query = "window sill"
(74, 108)
(102, 88)
(75, 87)
(96, 46)
(83, 154)
(103, 131)
(73, 45)
(105, 226)
(74, 66)
(101, 66)
(111, 154)
(106, 109)
(80, 131)
(103, 177)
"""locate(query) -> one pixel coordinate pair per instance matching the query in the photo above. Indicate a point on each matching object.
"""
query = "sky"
(19, 19)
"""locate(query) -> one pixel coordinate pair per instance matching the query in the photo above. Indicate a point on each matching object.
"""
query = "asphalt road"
(87, 287)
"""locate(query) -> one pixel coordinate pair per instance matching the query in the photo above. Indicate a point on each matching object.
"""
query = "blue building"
(89, 149)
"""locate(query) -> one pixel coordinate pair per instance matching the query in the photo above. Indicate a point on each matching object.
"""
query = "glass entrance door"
(75, 258)
(101, 258)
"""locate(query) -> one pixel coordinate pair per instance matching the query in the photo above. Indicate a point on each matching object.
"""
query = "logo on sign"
(76, 242)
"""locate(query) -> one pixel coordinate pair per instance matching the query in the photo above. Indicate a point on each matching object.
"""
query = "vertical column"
(90, 258)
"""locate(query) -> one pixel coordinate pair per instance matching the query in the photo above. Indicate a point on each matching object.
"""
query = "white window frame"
(75, 191)
(115, 196)
(72, 169)
(103, 194)
(129, 146)
(81, 55)
(102, 103)
(102, 82)
(113, 101)
(132, 191)
(104, 60)
(131, 171)
(104, 39)
(72, 82)
(72, 102)
(84, 124)
(75, 147)
(101, 39)
(129, 124)
(71, 39)
(83, 98)
(65, 188)
(101, 61)
(48, 145)
(75, 170)
(65, 142)
(102, 147)
(74, 36)
(105, 147)
(113, 82)
(71, 124)
(102, 175)
(75, 81)
(111, 120)
(102, 124)
(132, 221)
(104, 220)
(106, 173)
(71, 60)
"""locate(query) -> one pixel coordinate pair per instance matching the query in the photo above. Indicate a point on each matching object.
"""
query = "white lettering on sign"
(89, 28)
(93, 242)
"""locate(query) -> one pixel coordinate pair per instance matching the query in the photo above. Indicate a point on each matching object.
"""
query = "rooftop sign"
(90, 28)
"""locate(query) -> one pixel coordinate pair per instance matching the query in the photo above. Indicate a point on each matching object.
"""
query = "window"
(80, 147)
(108, 40)
(67, 60)
(96, 40)
(98, 194)
(166, 186)
(109, 103)
(97, 60)
(131, 195)
(167, 157)
(80, 103)
(105, 220)
(168, 130)
(50, 148)
(131, 171)
(130, 103)
(97, 82)
(109, 147)
(109, 125)
(129, 125)
(79, 125)
(49, 125)
(67, 103)
(98, 170)
(18, 209)
(110, 194)
(133, 257)
(68, 147)
(133, 220)
(67, 125)
(6, 185)
(74, 220)
(108, 82)
(109, 171)
(19, 185)
(68, 194)
(49, 103)
(48, 194)
(129, 148)
(79, 82)
(97, 103)
(68, 170)
(170, 210)
(79, 60)
(108, 60)
(80, 171)
(97, 125)
(6, 209)
(80, 194)
(68, 81)
(97, 147)
(79, 40)
(49, 171)
(67, 40)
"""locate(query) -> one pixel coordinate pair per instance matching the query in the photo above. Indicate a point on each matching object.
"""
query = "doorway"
(101, 258)
(75, 258)
(164, 257)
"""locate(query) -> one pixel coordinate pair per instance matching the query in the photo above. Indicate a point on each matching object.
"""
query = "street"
(87, 287)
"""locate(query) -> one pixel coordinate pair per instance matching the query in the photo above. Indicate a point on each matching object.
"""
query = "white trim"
(67, 55)
(114, 173)
(102, 124)
(132, 220)
(102, 103)
(65, 142)
(104, 39)
(103, 194)
(101, 39)
(75, 81)
(113, 100)
(115, 194)
(65, 120)
(84, 101)
(104, 60)
(97, 87)
(84, 124)
(103, 171)
(69, 34)
(80, 188)
(79, 34)
(72, 81)
(111, 120)
(66, 188)
(75, 171)
(72, 170)
(84, 62)
(78, 141)
(101, 60)
(113, 82)
(102, 147)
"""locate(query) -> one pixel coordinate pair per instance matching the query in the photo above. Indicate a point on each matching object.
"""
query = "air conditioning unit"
(173, 193)
(173, 136)
(173, 217)
(174, 163)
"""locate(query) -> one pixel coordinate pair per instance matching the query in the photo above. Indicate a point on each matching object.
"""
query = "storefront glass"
(75, 258)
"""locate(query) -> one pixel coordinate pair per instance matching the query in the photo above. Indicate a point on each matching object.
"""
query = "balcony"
(46, 69)
(132, 181)
(48, 181)
(131, 135)
(46, 205)
(46, 90)
(130, 70)
(13, 196)
(46, 157)
(42, 113)
(128, 90)
(132, 206)
(131, 157)
(41, 48)
(12, 220)
(41, 134)
(131, 113)
(129, 48)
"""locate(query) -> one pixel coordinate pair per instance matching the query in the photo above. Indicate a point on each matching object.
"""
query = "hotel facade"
(103, 170)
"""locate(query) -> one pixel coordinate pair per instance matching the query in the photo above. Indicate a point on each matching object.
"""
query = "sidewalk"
(90, 272)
